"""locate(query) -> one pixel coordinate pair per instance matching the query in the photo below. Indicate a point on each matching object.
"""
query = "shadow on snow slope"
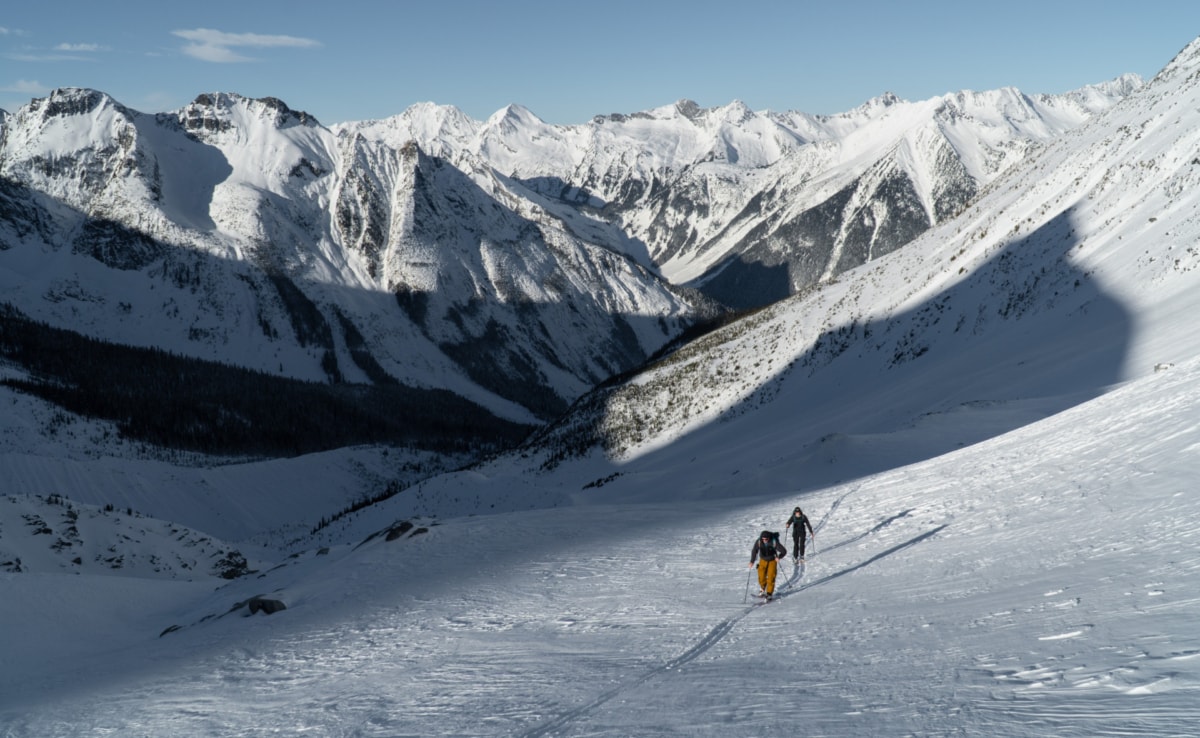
(1024, 336)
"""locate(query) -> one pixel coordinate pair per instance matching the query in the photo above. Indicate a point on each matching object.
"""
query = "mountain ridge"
(1036, 298)
(409, 250)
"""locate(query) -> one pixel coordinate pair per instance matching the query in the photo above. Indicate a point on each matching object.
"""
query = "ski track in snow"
(260, 677)
(713, 637)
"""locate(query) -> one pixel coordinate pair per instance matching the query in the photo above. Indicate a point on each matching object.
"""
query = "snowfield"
(1045, 582)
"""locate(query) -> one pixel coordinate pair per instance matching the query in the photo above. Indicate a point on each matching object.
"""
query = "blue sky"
(567, 61)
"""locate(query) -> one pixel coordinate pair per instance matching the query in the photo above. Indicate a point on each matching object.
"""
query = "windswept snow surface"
(1044, 582)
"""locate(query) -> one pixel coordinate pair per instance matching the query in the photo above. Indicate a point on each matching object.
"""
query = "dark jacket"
(800, 521)
(768, 552)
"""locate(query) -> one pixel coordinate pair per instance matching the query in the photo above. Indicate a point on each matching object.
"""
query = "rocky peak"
(206, 113)
(1187, 58)
(689, 109)
(215, 112)
(70, 101)
(284, 114)
(737, 113)
(882, 102)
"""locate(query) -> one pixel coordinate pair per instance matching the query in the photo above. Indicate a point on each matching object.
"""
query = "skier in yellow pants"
(768, 550)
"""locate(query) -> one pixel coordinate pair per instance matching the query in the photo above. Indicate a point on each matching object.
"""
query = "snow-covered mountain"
(993, 430)
(1065, 279)
(751, 207)
(242, 231)
(1071, 275)
(511, 262)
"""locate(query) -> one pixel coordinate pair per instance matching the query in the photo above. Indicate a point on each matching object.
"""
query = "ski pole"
(747, 592)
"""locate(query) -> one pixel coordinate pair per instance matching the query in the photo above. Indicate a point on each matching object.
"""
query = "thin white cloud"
(80, 47)
(38, 58)
(212, 53)
(211, 45)
(26, 86)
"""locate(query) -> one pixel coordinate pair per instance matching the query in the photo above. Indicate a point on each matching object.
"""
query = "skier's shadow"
(797, 575)
(794, 586)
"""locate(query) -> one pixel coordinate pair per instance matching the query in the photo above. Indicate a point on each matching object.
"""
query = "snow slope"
(1041, 583)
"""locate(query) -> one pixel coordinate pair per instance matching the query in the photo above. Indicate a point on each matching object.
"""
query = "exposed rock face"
(255, 237)
(265, 605)
(514, 262)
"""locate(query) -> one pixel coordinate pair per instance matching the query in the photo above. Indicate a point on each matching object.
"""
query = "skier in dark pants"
(768, 550)
(798, 533)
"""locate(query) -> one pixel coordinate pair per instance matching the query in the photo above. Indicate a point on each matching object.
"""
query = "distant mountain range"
(1069, 275)
(511, 262)
(133, 247)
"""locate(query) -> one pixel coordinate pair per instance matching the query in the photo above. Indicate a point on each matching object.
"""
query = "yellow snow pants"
(766, 575)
